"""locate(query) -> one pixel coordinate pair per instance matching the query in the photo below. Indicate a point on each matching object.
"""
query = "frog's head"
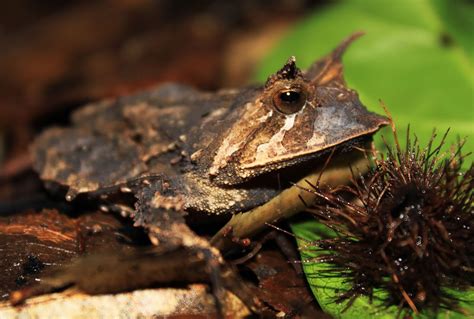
(295, 117)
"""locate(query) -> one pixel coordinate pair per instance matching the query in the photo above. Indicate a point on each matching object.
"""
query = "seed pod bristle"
(409, 229)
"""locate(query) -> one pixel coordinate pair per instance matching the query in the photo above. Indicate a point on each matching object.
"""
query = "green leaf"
(416, 56)
(326, 289)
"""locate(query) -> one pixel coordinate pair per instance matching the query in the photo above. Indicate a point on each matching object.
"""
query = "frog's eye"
(289, 101)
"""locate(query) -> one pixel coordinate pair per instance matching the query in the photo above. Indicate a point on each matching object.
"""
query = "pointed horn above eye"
(329, 68)
(339, 51)
(289, 71)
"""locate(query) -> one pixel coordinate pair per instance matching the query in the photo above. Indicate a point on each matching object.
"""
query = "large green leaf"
(417, 56)
(326, 288)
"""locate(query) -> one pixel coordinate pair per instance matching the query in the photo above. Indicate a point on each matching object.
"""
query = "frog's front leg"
(160, 211)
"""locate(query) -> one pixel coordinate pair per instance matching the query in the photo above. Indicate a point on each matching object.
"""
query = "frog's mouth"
(284, 176)
(333, 128)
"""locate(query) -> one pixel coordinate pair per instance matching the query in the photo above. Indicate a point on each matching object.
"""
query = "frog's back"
(114, 141)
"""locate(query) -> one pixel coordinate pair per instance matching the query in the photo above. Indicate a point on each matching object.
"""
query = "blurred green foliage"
(417, 57)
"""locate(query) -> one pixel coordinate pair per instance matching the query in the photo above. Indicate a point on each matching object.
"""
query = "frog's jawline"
(262, 188)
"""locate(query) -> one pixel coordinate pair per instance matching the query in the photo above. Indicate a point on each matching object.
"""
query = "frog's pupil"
(290, 96)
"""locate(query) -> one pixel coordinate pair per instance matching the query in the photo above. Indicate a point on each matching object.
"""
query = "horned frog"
(181, 152)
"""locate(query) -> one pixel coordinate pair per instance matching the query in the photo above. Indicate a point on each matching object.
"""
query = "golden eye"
(289, 101)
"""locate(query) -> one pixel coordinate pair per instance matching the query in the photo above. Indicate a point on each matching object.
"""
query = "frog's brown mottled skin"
(179, 150)
(206, 146)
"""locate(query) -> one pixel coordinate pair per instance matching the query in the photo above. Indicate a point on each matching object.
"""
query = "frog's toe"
(212, 268)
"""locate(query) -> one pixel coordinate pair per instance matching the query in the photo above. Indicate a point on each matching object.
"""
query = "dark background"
(57, 55)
